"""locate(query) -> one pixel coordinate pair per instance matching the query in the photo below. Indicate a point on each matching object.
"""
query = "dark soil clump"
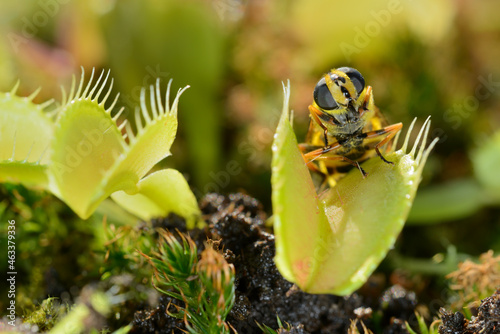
(157, 320)
(236, 224)
(486, 321)
(397, 305)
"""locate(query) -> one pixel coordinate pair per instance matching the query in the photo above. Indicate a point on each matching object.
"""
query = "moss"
(47, 314)
(475, 281)
(486, 321)
(235, 225)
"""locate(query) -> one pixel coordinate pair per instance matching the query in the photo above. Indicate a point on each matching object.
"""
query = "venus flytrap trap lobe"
(25, 132)
(86, 144)
(332, 242)
(88, 157)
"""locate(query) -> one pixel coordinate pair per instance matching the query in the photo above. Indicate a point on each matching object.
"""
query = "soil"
(486, 321)
(236, 223)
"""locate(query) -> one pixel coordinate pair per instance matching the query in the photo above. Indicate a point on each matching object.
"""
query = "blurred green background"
(429, 57)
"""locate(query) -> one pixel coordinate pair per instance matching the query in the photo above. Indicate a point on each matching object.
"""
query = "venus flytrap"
(88, 158)
(25, 133)
(331, 242)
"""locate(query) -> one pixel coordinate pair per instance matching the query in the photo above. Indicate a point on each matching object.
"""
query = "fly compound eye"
(356, 78)
(323, 97)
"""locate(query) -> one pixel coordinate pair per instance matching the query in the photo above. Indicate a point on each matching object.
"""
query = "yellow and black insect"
(346, 127)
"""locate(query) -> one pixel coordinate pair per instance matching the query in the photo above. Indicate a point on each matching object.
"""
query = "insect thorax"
(345, 123)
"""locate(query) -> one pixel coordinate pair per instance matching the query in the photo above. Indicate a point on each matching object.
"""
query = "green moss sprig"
(422, 326)
(206, 286)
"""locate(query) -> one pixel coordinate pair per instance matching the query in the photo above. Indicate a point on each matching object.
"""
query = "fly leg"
(390, 131)
(367, 102)
(319, 154)
(303, 148)
(315, 113)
